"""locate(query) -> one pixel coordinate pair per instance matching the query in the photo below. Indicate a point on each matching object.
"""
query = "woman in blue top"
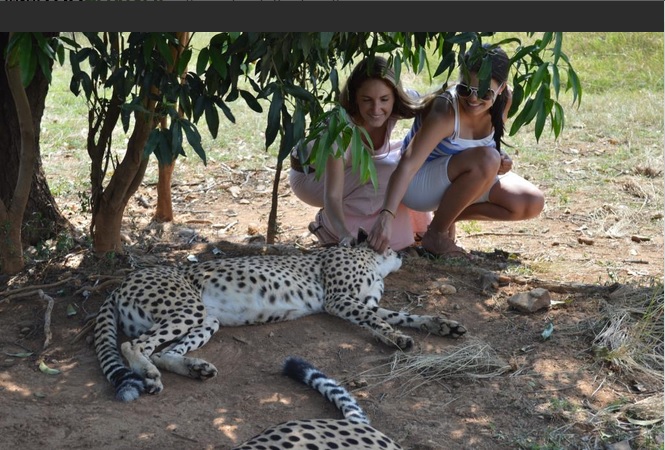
(453, 164)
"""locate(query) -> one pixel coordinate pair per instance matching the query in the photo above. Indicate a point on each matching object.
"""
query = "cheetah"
(168, 312)
(352, 432)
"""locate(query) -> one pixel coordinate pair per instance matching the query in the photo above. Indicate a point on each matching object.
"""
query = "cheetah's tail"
(128, 384)
(301, 370)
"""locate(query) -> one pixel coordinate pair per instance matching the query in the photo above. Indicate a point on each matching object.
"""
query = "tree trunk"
(107, 218)
(164, 210)
(28, 211)
(42, 218)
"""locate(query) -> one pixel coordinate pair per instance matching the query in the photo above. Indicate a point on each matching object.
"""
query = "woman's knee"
(481, 162)
(531, 204)
(487, 161)
(536, 204)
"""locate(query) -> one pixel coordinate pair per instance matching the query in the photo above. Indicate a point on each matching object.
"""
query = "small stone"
(623, 445)
(531, 301)
(447, 289)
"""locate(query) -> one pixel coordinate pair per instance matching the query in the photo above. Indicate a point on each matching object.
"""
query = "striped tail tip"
(130, 388)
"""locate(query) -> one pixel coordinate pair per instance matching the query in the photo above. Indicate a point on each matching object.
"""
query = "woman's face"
(375, 99)
(467, 92)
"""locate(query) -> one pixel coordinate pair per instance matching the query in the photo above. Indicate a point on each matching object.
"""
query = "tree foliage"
(127, 76)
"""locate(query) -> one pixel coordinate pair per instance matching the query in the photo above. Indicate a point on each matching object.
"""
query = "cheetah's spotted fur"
(181, 308)
(352, 432)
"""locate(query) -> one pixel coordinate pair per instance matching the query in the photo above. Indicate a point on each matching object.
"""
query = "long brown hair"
(377, 68)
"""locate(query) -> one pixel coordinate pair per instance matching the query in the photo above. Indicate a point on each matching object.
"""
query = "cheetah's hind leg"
(172, 358)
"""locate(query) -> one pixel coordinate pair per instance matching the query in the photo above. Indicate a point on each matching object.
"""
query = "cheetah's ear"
(362, 236)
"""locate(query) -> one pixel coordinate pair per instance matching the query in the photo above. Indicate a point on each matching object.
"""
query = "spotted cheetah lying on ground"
(352, 432)
(181, 308)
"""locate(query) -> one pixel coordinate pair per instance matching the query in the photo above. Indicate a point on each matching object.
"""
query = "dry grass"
(472, 360)
(631, 333)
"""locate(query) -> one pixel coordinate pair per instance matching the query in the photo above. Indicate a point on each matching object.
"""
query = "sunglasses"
(465, 91)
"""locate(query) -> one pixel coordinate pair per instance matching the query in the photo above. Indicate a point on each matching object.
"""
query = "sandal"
(440, 244)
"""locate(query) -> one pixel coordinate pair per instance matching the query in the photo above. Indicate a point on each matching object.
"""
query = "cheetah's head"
(389, 261)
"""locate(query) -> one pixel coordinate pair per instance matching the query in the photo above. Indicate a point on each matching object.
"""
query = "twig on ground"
(496, 233)
(562, 288)
(90, 324)
(47, 317)
(100, 286)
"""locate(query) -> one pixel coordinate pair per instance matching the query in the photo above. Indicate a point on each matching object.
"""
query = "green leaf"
(557, 119)
(71, 310)
(251, 101)
(27, 61)
(286, 145)
(212, 118)
(644, 423)
(299, 93)
(556, 82)
(538, 78)
(540, 123)
(44, 45)
(202, 60)
(447, 63)
(184, 60)
(226, 110)
(218, 64)
(147, 47)
(151, 144)
(574, 82)
(194, 139)
(397, 66)
(15, 43)
(325, 39)
(298, 123)
(357, 149)
(176, 140)
(20, 354)
(164, 150)
(274, 117)
(46, 369)
(557, 47)
(164, 49)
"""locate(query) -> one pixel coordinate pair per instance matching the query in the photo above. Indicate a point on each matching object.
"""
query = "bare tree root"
(30, 290)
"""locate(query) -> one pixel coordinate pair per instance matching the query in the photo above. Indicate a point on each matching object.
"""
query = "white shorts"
(429, 184)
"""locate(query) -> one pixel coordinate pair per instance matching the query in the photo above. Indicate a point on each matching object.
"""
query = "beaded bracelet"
(388, 211)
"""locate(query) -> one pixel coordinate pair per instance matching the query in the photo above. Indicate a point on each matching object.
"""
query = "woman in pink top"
(453, 163)
(374, 101)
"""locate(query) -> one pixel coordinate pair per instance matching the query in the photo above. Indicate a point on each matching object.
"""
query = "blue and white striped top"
(452, 144)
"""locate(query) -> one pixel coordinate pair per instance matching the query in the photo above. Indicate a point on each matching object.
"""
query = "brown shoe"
(440, 244)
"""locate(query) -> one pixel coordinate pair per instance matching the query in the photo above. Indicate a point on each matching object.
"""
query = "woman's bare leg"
(471, 173)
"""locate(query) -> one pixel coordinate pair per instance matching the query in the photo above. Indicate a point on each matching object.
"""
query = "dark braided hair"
(500, 69)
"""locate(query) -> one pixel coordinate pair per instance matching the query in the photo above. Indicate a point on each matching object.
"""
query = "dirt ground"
(551, 393)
